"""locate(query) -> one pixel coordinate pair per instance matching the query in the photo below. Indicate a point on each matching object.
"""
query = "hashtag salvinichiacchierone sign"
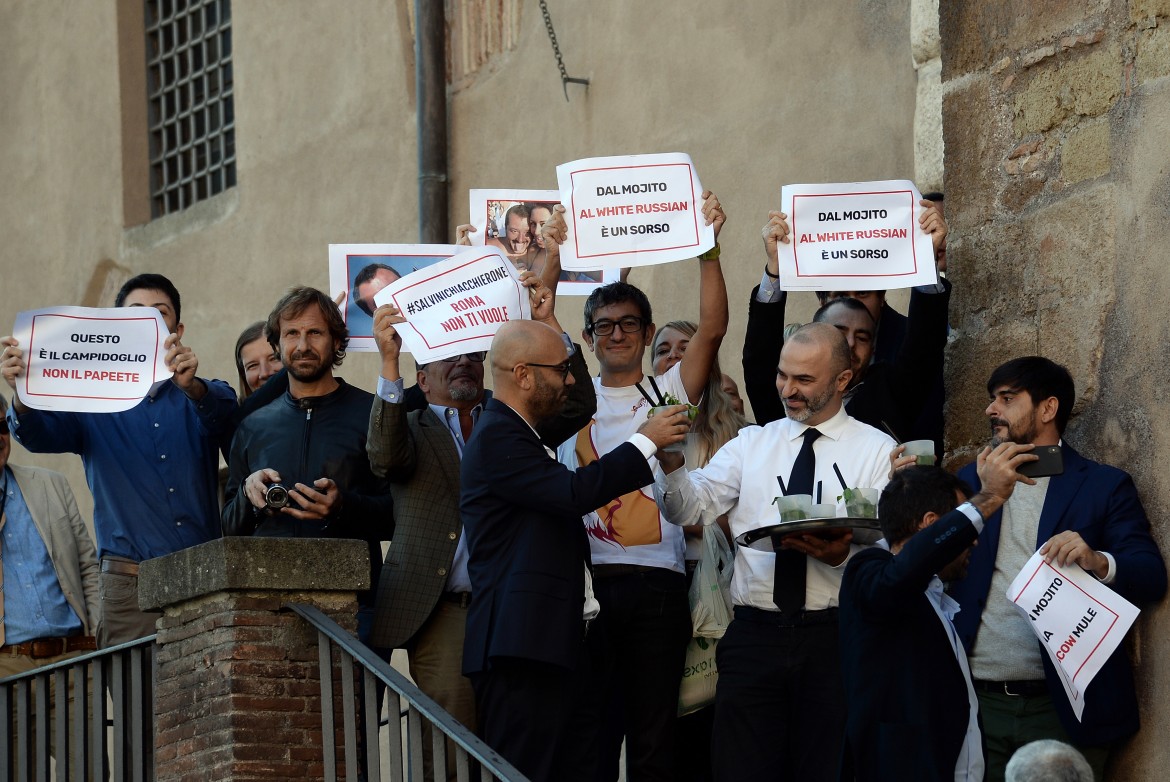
(457, 305)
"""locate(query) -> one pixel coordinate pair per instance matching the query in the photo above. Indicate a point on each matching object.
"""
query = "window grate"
(189, 89)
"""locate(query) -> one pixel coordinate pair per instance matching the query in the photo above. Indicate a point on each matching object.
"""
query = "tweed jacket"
(414, 450)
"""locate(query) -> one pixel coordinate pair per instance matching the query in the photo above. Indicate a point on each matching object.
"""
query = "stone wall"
(1055, 116)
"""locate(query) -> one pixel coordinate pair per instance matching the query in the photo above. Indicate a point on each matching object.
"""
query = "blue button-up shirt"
(152, 469)
(34, 605)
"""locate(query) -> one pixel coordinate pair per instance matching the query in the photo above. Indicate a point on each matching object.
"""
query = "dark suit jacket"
(907, 699)
(414, 450)
(528, 551)
(892, 330)
(1101, 503)
(891, 396)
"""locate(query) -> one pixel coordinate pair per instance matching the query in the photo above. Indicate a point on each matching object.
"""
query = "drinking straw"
(840, 477)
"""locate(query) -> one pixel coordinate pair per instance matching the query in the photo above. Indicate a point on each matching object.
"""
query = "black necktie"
(788, 579)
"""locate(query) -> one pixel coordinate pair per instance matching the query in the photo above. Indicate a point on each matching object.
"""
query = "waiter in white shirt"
(779, 705)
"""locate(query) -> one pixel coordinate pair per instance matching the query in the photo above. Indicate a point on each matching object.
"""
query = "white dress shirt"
(741, 480)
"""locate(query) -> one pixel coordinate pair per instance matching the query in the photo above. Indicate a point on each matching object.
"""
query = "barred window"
(189, 92)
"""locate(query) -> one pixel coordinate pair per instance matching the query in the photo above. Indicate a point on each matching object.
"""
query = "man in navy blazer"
(904, 670)
(1091, 516)
(528, 556)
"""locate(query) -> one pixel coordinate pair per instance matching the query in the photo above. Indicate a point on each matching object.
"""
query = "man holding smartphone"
(1089, 515)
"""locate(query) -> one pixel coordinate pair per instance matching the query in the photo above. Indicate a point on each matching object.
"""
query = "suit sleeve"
(887, 584)
(1141, 571)
(524, 475)
(87, 562)
(761, 354)
(920, 360)
(390, 444)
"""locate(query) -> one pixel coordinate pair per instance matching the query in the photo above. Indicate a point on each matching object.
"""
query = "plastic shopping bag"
(710, 593)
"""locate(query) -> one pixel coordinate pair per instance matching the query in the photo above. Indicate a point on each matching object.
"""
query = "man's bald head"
(526, 361)
(813, 373)
(520, 341)
(830, 338)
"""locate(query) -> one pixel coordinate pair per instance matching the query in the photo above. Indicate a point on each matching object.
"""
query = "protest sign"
(87, 360)
(512, 219)
(855, 236)
(1080, 622)
(361, 270)
(632, 210)
(456, 305)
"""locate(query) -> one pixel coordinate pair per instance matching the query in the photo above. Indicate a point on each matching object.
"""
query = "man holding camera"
(298, 466)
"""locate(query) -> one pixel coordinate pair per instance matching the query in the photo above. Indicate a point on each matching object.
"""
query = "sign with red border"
(90, 360)
(632, 210)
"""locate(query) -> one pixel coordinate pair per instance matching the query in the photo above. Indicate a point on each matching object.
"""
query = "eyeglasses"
(628, 325)
(475, 358)
(564, 368)
(3, 425)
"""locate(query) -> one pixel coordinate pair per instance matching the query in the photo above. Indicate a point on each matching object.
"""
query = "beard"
(464, 390)
(311, 372)
(1022, 432)
(546, 400)
(812, 405)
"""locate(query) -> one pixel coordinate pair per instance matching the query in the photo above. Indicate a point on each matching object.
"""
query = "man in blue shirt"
(151, 469)
(48, 569)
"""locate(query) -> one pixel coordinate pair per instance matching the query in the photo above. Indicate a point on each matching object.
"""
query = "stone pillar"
(926, 51)
(1055, 116)
(237, 692)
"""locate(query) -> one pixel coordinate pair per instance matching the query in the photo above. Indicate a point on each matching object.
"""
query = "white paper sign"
(855, 236)
(499, 216)
(457, 305)
(361, 270)
(88, 360)
(632, 210)
(1080, 622)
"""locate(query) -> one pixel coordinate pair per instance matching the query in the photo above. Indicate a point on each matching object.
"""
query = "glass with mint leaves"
(692, 411)
(860, 503)
(794, 507)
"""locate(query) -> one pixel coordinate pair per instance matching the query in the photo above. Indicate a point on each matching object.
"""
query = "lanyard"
(661, 399)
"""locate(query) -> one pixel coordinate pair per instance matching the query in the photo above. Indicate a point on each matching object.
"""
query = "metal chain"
(552, 36)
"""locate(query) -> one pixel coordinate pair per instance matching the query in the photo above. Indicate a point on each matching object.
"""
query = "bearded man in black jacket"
(298, 465)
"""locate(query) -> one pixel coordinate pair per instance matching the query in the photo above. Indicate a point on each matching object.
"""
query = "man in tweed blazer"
(424, 590)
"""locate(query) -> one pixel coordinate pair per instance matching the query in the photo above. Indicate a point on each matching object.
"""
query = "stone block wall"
(1055, 116)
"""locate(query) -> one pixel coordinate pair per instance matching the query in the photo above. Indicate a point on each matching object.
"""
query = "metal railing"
(99, 707)
(404, 752)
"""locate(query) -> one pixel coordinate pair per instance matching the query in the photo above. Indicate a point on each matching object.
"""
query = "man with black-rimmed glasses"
(638, 557)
